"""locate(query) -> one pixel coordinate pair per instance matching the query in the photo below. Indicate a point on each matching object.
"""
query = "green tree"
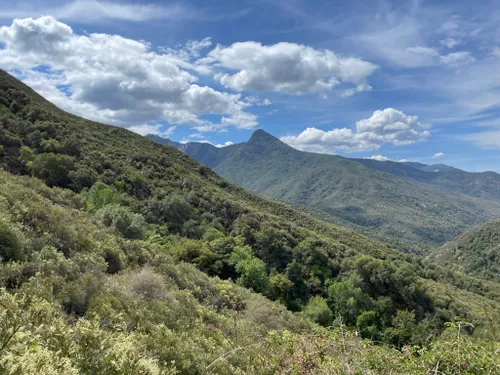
(348, 300)
(273, 246)
(252, 270)
(279, 287)
(318, 311)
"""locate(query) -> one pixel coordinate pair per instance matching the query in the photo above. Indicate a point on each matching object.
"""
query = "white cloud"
(146, 129)
(384, 126)
(350, 92)
(241, 120)
(255, 100)
(228, 143)
(155, 129)
(422, 50)
(169, 131)
(286, 67)
(399, 43)
(378, 158)
(450, 42)
(451, 26)
(456, 59)
(114, 79)
(438, 155)
(86, 11)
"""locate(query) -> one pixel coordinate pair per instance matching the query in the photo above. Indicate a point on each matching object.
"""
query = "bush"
(53, 169)
(11, 242)
(82, 177)
(123, 220)
(101, 195)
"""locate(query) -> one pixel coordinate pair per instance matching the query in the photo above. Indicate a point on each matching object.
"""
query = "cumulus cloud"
(286, 67)
(115, 79)
(438, 155)
(384, 126)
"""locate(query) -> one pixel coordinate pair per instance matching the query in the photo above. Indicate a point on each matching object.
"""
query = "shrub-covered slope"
(476, 252)
(123, 264)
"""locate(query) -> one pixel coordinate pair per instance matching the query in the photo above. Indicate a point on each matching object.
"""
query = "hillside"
(476, 252)
(390, 201)
(119, 255)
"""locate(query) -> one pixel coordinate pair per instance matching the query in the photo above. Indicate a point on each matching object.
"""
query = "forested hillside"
(123, 256)
(476, 252)
(390, 201)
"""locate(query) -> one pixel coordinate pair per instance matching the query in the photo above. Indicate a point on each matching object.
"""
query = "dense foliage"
(387, 200)
(119, 256)
(476, 252)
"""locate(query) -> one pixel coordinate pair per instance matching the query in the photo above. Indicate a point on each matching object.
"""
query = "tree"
(280, 285)
(318, 311)
(252, 270)
(273, 247)
(348, 300)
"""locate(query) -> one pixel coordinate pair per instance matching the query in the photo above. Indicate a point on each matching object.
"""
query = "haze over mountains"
(406, 202)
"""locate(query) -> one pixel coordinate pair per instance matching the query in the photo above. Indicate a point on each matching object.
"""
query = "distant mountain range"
(408, 203)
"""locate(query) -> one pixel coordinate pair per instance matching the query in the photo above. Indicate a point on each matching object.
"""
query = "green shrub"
(11, 242)
(101, 195)
(82, 177)
(53, 169)
(120, 218)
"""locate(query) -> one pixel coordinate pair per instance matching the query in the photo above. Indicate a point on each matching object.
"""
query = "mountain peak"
(262, 134)
(263, 141)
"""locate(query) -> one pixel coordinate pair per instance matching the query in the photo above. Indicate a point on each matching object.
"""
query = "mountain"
(388, 200)
(482, 185)
(414, 164)
(118, 255)
(475, 252)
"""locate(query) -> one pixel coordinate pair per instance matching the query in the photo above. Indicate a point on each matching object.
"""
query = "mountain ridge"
(365, 198)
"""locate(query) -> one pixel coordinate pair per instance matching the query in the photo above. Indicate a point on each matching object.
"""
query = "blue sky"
(415, 80)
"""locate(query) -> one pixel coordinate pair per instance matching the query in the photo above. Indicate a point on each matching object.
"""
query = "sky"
(390, 80)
